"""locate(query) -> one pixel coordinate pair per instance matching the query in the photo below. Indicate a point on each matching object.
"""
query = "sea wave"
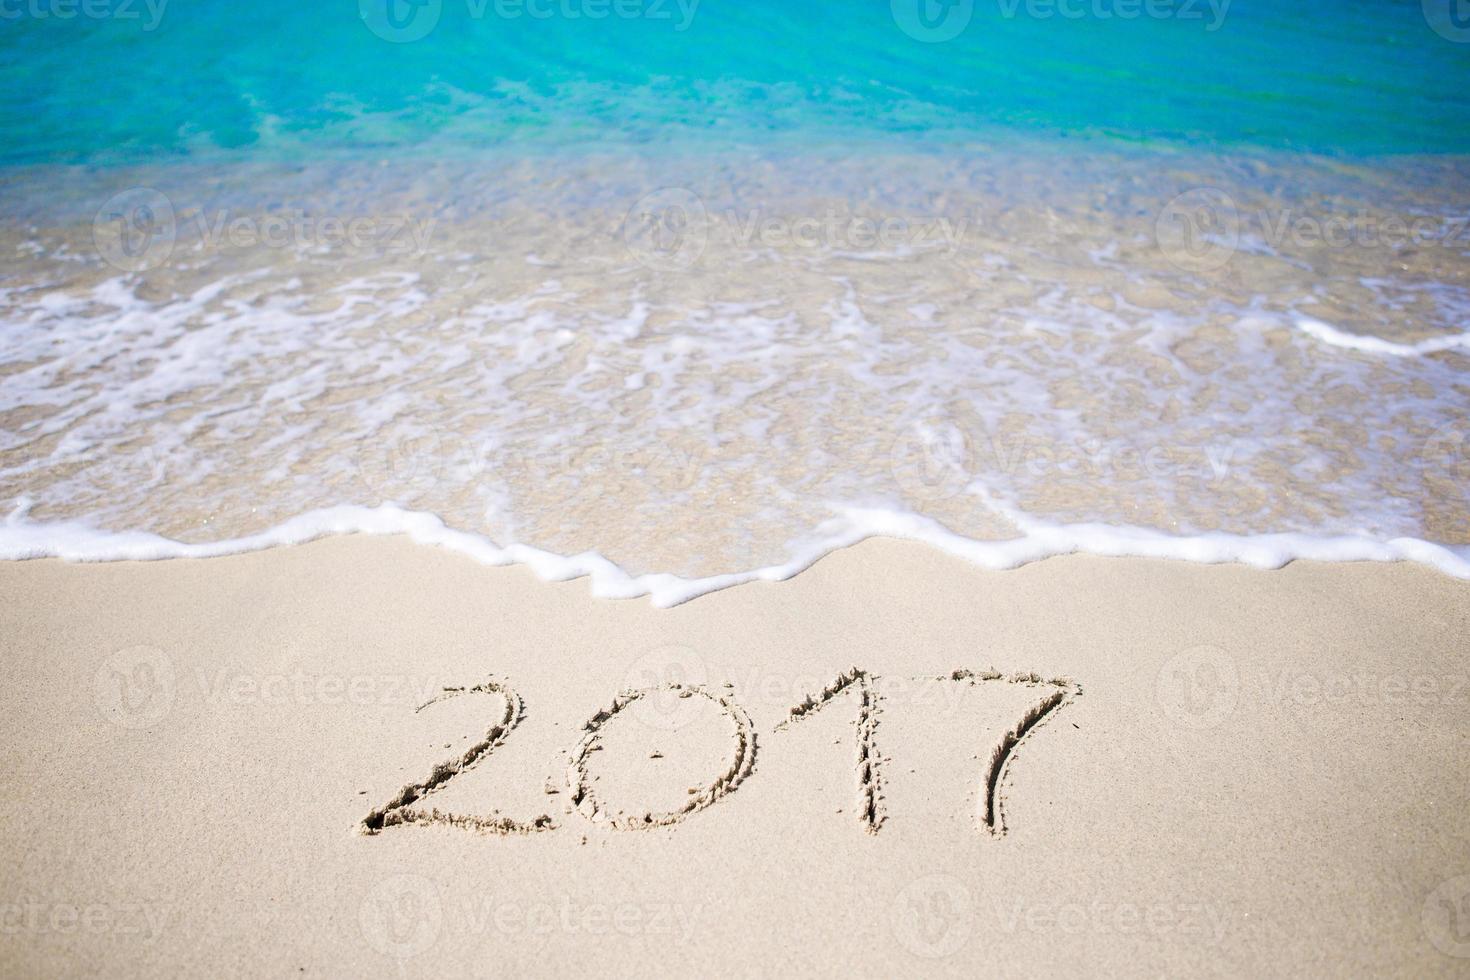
(670, 386)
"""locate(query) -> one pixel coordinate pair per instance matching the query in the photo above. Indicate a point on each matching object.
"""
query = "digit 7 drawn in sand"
(989, 813)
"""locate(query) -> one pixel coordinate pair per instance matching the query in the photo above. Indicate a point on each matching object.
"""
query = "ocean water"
(680, 294)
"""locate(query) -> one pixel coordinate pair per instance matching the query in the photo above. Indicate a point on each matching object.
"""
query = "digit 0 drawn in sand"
(989, 811)
(741, 764)
(869, 781)
(399, 810)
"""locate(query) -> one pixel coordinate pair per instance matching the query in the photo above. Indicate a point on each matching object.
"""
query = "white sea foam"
(1329, 334)
(21, 539)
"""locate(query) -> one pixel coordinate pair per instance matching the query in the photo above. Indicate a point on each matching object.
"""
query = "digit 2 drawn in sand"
(400, 810)
(870, 798)
(727, 782)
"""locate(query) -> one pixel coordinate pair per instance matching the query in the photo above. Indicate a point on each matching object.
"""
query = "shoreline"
(606, 580)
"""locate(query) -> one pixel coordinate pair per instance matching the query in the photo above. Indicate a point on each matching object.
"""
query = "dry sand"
(1244, 772)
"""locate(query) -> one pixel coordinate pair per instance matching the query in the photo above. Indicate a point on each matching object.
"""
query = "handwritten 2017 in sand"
(405, 807)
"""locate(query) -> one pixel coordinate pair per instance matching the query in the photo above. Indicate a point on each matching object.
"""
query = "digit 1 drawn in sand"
(989, 812)
(399, 810)
(727, 782)
(869, 782)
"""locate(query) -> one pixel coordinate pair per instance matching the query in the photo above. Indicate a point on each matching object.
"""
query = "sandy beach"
(735, 488)
(1238, 771)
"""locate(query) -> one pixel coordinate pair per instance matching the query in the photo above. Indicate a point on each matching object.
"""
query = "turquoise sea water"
(133, 82)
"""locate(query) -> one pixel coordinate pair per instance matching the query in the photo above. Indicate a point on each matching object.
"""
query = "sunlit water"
(713, 298)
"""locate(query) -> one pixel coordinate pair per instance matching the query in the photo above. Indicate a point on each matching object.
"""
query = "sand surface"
(1238, 771)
